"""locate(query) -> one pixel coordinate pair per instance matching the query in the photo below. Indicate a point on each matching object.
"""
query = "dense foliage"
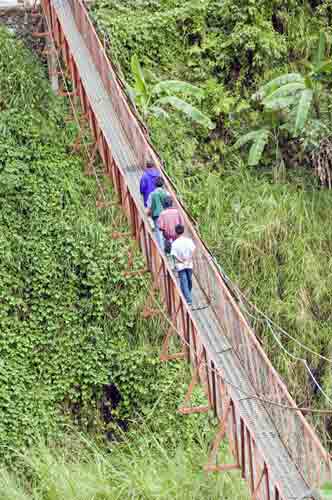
(74, 348)
(268, 224)
(73, 344)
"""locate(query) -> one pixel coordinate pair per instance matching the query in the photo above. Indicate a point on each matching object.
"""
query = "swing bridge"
(271, 442)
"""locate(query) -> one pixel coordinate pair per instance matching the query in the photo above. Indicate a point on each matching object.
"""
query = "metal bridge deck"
(281, 466)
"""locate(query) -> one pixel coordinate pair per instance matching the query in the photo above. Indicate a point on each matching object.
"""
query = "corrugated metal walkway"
(276, 455)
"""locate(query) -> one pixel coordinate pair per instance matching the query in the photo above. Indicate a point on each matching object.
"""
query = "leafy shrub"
(73, 345)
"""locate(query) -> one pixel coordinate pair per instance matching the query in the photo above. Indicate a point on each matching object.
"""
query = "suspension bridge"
(272, 444)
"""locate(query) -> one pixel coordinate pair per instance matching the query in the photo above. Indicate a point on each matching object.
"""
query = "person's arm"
(142, 185)
(161, 224)
(178, 259)
(149, 205)
(185, 261)
(175, 254)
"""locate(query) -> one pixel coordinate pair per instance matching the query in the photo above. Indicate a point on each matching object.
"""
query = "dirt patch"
(23, 24)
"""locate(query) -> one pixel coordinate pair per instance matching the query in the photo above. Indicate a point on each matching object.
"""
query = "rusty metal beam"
(185, 409)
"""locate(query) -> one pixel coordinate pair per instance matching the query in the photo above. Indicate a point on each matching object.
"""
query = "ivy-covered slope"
(73, 344)
(269, 226)
(74, 348)
(65, 303)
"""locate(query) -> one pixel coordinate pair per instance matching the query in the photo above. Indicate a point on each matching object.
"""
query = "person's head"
(149, 164)
(159, 182)
(179, 229)
(168, 202)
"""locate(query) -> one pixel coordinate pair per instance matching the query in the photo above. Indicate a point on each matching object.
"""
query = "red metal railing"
(297, 435)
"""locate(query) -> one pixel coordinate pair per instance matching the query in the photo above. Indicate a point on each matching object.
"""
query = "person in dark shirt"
(148, 181)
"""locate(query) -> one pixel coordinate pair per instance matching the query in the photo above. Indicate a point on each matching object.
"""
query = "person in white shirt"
(183, 249)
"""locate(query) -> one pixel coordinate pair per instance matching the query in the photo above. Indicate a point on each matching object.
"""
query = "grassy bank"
(268, 226)
(83, 471)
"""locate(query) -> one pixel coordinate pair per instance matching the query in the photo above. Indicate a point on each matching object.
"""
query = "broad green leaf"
(140, 84)
(303, 110)
(321, 48)
(250, 136)
(158, 112)
(193, 113)
(285, 90)
(256, 150)
(324, 67)
(175, 86)
(149, 76)
(269, 87)
(281, 103)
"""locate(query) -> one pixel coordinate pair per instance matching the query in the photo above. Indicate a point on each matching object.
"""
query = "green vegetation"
(75, 352)
(292, 107)
(83, 471)
(267, 219)
(64, 298)
(152, 97)
(74, 348)
(326, 491)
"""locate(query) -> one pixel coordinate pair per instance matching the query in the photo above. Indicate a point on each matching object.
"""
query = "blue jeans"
(186, 283)
(158, 233)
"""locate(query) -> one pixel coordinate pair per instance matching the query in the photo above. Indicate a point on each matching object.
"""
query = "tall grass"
(139, 469)
(274, 240)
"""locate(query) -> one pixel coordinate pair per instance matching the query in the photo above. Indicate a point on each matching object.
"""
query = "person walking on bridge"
(148, 181)
(155, 207)
(169, 218)
(183, 250)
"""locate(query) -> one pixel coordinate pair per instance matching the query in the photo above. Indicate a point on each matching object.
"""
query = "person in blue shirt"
(148, 181)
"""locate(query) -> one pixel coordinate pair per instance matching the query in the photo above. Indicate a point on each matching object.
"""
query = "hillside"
(265, 217)
(87, 410)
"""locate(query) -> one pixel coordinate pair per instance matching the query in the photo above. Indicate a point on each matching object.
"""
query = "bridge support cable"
(279, 455)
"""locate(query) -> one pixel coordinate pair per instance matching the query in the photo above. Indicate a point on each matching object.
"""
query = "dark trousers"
(186, 283)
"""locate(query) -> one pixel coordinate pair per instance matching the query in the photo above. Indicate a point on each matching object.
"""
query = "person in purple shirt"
(148, 181)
